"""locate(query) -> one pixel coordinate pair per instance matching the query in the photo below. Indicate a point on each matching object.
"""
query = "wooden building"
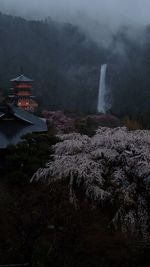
(16, 122)
(24, 99)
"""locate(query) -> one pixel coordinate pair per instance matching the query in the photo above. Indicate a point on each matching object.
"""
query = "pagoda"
(22, 87)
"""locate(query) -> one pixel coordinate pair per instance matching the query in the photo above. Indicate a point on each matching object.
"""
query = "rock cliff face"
(110, 169)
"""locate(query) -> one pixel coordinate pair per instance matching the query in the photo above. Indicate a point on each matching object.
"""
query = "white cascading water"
(101, 106)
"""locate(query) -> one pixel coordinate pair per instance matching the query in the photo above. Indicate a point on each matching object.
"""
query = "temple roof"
(16, 122)
(22, 78)
(1, 113)
(28, 117)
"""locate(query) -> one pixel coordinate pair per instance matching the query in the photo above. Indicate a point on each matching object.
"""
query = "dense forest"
(62, 60)
(65, 64)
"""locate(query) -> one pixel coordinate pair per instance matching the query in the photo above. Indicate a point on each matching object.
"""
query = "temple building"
(22, 87)
(16, 122)
(16, 117)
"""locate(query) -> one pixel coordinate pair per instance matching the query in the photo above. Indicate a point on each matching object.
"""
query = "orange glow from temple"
(23, 86)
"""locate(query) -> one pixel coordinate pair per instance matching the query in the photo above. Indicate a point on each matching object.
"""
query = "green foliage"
(23, 159)
(84, 126)
(41, 253)
(145, 119)
(22, 205)
(131, 124)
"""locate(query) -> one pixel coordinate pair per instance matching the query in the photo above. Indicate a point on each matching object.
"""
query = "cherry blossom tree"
(113, 168)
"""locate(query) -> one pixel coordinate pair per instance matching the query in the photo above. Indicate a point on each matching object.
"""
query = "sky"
(113, 11)
(89, 14)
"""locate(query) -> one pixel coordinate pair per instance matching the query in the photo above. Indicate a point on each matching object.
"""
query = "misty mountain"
(62, 60)
(128, 76)
(65, 64)
(113, 13)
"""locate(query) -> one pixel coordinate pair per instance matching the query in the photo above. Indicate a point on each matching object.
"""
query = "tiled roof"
(12, 130)
(26, 116)
(22, 78)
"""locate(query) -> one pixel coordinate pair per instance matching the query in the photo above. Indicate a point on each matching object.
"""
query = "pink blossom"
(112, 167)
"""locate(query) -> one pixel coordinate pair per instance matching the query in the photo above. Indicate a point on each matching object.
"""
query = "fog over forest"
(71, 40)
(107, 15)
(110, 11)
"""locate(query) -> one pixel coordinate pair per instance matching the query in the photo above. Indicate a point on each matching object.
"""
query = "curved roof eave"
(22, 118)
(1, 115)
(21, 78)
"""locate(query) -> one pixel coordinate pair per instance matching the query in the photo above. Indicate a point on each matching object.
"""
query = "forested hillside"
(65, 64)
(61, 59)
(129, 78)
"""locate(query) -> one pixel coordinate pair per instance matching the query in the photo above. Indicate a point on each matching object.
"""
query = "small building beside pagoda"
(22, 87)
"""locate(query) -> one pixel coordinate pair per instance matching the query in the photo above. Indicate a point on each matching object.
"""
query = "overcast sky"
(113, 11)
(87, 13)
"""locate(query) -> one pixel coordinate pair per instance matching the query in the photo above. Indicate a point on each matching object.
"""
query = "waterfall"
(101, 106)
